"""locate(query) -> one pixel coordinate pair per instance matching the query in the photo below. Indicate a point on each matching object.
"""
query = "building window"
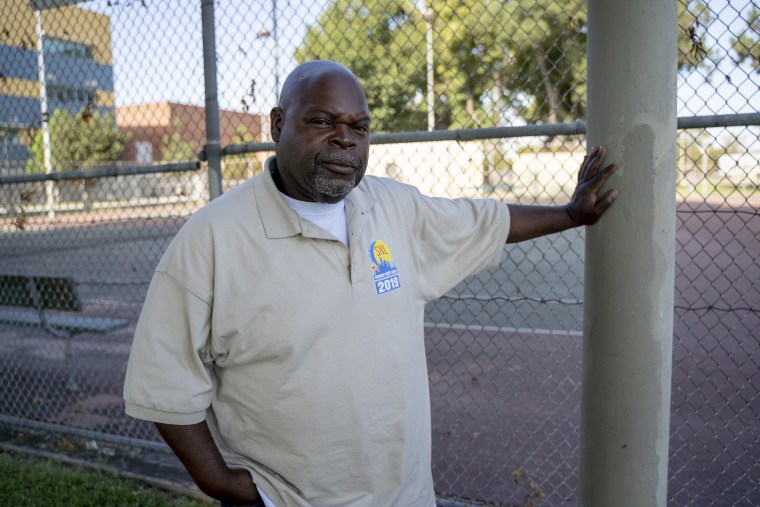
(144, 153)
(55, 46)
(13, 154)
(9, 137)
(68, 94)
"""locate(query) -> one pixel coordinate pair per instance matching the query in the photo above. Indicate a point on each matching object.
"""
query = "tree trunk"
(552, 93)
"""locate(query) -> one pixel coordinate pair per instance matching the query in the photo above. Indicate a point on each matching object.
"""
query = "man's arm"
(196, 449)
(585, 207)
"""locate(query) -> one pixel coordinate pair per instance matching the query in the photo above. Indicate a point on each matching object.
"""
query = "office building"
(78, 71)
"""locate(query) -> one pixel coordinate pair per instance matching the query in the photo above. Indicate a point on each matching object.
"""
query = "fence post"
(47, 150)
(630, 255)
(213, 143)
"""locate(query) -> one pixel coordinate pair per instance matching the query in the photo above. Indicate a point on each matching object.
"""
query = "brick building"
(153, 124)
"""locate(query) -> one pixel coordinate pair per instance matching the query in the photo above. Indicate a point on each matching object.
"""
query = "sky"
(731, 88)
(157, 54)
(158, 49)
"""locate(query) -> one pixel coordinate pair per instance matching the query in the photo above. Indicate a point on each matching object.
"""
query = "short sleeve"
(460, 237)
(167, 380)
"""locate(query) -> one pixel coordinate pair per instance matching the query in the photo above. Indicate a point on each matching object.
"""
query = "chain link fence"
(475, 98)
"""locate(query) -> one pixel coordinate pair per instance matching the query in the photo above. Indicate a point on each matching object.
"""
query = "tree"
(242, 135)
(747, 44)
(382, 43)
(492, 58)
(693, 18)
(174, 147)
(242, 165)
(474, 61)
(88, 139)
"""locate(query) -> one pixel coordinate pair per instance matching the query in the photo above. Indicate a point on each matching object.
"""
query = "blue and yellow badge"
(383, 269)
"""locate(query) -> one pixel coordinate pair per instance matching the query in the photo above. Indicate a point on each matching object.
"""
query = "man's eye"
(362, 129)
(320, 121)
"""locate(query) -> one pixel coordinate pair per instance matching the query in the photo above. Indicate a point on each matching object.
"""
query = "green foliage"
(29, 482)
(747, 44)
(547, 49)
(693, 17)
(89, 139)
(242, 135)
(174, 148)
(243, 165)
(383, 43)
(492, 58)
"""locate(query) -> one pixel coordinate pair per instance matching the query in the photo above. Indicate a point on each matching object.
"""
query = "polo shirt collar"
(280, 221)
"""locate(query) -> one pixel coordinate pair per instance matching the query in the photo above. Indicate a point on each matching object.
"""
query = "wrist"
(244, 482)
(238, 488)
(570, 215)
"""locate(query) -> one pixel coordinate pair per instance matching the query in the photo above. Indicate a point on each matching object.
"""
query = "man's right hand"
(196, 449)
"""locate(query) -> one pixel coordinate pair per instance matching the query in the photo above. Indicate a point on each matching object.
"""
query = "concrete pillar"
(630, 255)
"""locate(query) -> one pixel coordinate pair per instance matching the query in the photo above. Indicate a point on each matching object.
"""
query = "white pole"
(630, 256)
(428, 15)
(45, 115)
(275, 36)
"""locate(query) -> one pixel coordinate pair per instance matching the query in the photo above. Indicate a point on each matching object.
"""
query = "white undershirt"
(265, 499)
(330, 217)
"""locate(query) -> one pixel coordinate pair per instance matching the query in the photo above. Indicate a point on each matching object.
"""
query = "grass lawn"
(26, 481)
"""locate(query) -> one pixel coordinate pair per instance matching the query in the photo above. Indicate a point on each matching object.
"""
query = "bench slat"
(71, 323)
(54, 293)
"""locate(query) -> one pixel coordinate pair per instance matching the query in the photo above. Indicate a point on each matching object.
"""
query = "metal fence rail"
(476, 98)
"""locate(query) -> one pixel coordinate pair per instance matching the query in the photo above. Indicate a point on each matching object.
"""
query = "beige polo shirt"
(305, 356)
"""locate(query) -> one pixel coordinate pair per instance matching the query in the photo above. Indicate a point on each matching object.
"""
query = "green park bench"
(36, 294)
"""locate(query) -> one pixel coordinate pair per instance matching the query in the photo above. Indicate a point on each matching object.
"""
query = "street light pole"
(276, 52)
(428, 14)
(45, 117)
(38, 6)
(265, 34)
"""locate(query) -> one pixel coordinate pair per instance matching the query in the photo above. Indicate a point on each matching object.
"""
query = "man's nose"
(343, 136)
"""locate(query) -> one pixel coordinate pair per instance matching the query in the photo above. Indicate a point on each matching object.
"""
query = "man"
(280, 348)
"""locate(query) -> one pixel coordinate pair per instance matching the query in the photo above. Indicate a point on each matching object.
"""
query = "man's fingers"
(592, 162)
(601, 177)
(586, 201)
(587, 161)
(605, 201)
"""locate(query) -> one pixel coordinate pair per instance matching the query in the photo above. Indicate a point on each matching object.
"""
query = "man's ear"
(276, 117)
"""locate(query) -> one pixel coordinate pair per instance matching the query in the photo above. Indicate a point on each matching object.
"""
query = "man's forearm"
(586, 206)
(528, 222)
(196, 449)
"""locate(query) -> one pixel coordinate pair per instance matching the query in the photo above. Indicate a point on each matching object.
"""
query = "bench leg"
(69, 359)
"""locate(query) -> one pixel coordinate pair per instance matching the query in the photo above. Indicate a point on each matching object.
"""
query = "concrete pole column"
(630, 255)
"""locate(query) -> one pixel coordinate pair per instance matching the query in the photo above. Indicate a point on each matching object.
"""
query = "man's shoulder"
(229, 202)
(219, 217)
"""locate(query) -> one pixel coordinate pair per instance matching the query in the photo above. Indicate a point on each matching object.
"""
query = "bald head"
(307, 76)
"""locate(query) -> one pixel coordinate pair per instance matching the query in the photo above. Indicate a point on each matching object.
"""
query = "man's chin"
(332, 191)
(333, 197)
